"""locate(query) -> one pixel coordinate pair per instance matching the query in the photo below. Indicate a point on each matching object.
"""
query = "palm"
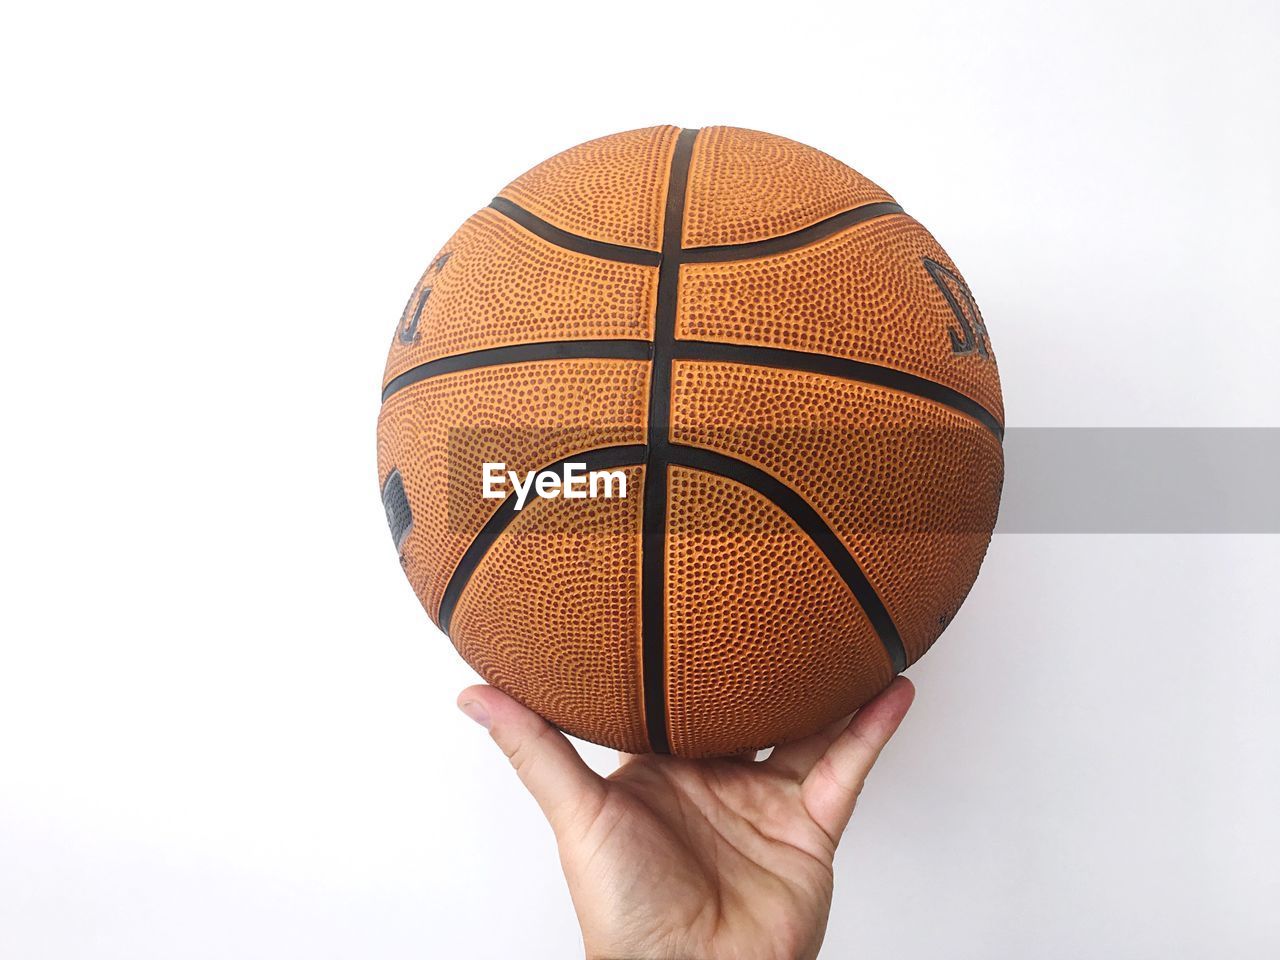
(704, 858)
(699, 858)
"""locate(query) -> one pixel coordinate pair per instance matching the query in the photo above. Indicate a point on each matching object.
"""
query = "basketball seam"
(573, 241)
(721, 253)
(603, 458)
(815, 527)
(843, 368)
(532, 352)
(653, 538)
(854, 371)
(787, 242)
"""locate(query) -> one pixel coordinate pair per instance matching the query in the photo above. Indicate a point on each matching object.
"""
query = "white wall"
(226, 727)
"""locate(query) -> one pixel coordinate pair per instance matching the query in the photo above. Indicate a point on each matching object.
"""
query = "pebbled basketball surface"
(796, 382)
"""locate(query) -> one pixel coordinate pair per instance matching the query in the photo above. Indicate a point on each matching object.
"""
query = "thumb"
(547, 764)
(831, 788)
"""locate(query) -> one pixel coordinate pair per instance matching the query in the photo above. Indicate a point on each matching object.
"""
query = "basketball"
(691, 440)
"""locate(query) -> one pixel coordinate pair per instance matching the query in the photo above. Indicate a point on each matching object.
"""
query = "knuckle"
(827, 769)
(524, 755)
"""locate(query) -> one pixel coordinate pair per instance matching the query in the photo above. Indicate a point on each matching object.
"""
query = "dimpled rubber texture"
(611, 189)
(861, 294)
(746, 186)
(441, 431)
(906, 484)
(558, 556)
(821, 476)
(501, 285)
(767, 642)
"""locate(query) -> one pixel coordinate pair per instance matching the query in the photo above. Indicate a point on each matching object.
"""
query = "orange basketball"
(691, 440)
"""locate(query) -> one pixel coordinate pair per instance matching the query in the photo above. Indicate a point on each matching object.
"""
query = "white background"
(226, 727)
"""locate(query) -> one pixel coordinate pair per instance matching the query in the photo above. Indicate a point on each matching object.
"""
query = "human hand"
(697, 859)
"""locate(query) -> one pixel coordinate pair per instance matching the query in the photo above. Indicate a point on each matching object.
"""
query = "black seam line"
(857, 370)
(521, 353)
(814, 526)
(605, 458)
(653, 587)
(790, 241)
(572, 241)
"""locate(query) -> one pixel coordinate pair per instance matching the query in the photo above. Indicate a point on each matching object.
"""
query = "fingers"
(831, 788)
(547, 764)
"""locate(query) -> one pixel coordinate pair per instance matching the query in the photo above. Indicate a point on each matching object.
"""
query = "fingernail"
(476, 711)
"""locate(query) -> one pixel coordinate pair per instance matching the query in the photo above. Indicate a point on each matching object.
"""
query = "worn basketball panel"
(910, 487)
(495, 284)
(439, 433)
(551, 615)
(765, 642)
(862, 294)
(612, 189)
(746, 186)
